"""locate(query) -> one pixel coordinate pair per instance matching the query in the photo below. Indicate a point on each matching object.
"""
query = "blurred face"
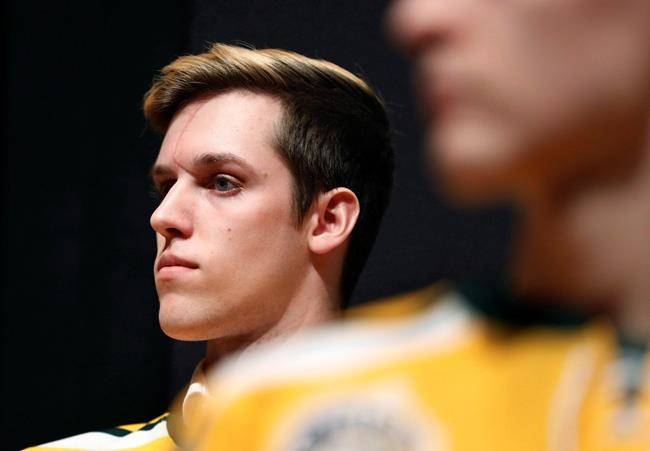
(229, 254)
(524, 92)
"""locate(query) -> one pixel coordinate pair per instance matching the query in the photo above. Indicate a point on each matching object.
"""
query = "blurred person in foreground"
(545, 104)
(273, 176)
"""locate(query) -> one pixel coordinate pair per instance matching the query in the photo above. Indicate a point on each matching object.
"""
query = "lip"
(438, 96)
(170, 262)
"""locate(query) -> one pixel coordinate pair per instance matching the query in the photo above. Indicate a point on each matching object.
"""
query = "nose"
(414, 24)
(173, 217)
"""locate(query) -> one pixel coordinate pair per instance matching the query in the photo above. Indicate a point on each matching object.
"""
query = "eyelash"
(159, 191)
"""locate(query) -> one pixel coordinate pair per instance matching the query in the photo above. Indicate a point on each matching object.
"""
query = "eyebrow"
(204, 160)
(160, 170)
(211, 159)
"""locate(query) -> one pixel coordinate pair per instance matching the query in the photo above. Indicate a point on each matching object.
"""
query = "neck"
(590, 245)
(310, 306)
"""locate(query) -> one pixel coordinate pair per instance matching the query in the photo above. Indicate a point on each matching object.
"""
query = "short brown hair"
(335, 131)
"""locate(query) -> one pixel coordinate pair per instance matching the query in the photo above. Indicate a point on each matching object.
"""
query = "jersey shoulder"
(417, 372)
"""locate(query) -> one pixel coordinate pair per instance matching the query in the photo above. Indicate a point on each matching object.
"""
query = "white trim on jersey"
(563, 428)
(103, 441)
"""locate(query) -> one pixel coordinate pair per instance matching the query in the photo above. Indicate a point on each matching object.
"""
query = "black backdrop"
(81, 348)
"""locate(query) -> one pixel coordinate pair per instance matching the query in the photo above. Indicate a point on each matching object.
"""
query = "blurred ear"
(333, 218)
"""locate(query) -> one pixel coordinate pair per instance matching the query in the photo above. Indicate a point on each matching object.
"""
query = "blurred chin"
(475, 164)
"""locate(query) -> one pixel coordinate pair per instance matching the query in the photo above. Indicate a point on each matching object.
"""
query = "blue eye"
(224, 184)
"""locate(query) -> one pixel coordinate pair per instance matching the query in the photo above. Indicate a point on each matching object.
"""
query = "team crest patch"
(362, 424)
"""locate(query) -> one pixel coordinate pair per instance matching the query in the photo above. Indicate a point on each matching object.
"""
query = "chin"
(181, 329)
(473, 167)
(179, 321)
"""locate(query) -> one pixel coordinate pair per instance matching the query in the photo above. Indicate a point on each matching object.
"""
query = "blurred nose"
(173, 217)
(414, 24)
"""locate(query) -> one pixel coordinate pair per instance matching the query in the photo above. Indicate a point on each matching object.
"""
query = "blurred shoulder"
(426, 366)
(431, 320)
(436, 326)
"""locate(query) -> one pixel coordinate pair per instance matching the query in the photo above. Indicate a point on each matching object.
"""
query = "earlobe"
(335, 215)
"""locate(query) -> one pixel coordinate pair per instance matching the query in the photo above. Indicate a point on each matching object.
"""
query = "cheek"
(266, 229)
(253, 255)
(576, 57)
(255, 233)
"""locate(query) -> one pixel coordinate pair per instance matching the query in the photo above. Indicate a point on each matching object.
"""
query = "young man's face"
(516, 91)
(229, 252)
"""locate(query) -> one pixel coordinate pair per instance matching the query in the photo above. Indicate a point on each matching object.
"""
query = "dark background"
(81, 347)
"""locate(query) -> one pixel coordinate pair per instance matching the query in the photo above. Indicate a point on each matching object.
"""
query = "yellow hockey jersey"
(449, 378)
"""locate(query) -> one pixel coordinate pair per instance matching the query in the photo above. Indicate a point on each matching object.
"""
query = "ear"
(333, 218)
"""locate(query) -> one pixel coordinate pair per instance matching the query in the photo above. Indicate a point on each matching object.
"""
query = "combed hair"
(334, 131)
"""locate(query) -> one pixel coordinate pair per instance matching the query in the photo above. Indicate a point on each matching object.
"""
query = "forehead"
(237, 122)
